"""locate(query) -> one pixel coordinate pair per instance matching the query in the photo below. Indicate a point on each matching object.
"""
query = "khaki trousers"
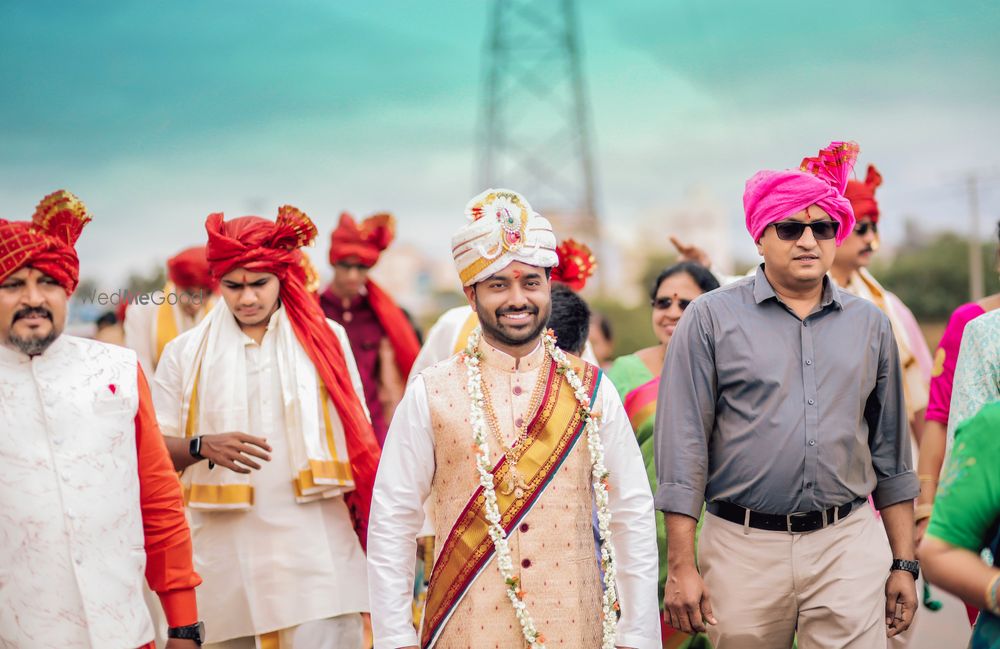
(828, 585)
(341, 632)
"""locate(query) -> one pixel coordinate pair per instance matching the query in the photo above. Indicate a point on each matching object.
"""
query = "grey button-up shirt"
(779, 414)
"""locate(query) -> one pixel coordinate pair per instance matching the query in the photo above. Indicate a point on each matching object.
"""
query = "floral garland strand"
(474, 387)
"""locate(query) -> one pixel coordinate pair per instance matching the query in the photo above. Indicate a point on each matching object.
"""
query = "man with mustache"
(266, 387)
(508, 440)
(780, 411)
(850, 272)
(89, 497)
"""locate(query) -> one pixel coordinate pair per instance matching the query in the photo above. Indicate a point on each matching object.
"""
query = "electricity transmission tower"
(535, 134)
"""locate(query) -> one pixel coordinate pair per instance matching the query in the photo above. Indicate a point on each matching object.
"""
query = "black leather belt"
(797, 523)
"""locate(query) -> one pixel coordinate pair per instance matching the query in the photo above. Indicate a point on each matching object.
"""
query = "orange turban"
(47, 241)
(264, 246)
(189, 269)
(365, 241)
(862, 194)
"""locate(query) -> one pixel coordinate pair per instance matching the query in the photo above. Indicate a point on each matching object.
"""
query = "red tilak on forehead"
(517, 274)
(245, 278)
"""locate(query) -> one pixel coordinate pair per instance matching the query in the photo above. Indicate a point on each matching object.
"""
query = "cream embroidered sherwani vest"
(553, 548)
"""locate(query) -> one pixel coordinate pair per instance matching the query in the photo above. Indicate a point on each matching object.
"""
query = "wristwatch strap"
(912, 567)
(194, 448)
(194, 632)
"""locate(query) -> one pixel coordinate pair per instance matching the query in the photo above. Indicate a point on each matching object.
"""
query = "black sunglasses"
(863, 228)
(664, 303)
(792, 230)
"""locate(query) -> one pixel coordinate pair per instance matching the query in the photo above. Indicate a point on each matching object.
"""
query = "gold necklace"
(515, 483)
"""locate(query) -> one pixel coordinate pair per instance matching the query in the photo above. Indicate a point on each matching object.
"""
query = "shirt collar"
(762, 290)
(503, 361)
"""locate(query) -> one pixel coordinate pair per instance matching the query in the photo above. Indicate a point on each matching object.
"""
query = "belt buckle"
(788, 521)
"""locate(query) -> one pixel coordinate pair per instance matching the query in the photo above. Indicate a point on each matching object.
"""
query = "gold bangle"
(927, 478)
(991, 595)
(920, 512)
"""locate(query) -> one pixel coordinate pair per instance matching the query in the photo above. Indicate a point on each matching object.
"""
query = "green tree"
(932, 277)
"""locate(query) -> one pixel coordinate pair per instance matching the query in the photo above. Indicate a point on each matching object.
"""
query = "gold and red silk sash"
(552, 433)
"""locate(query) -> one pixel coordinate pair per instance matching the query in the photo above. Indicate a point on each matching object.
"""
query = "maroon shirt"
(365, 333)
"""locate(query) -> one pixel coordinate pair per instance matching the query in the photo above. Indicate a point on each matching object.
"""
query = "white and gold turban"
(502, 228)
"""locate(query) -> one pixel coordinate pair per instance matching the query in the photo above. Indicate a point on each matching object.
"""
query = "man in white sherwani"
(267, 388)
(90, 506)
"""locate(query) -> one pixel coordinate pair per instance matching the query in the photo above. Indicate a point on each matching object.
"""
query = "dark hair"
(570, 319)
(702, 277)
(107, 319)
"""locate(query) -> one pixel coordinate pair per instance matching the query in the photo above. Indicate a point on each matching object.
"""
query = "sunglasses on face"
(664, 303)
(863, 228)
(792, 230)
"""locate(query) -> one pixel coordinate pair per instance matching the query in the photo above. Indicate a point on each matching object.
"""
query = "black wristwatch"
(194, 632)
(912, 567)
(194, 448)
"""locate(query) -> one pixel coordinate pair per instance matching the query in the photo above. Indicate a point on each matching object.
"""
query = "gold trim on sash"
(223, 495)
(192, 418)
(553, 433)
(270, 640)
(471, 322)
(166, 325)
(323, 473)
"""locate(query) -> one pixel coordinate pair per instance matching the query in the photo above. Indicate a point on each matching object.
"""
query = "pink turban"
(771, 196)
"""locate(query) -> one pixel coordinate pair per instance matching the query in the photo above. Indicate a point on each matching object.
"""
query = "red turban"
(263, 246)
(46, 241)
(189, 269)
(366, 240)
(576, 264)
(862, 194)
(771, 196)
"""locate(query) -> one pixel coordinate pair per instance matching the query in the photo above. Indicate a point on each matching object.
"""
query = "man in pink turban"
(780, 412)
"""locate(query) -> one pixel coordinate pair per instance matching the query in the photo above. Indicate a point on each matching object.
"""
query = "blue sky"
(157, 113)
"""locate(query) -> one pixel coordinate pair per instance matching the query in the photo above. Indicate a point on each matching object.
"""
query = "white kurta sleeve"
(402, 485)
(633, 526)
(168, 389)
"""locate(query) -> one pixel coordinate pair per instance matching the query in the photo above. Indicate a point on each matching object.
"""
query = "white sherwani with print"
(71, 550)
